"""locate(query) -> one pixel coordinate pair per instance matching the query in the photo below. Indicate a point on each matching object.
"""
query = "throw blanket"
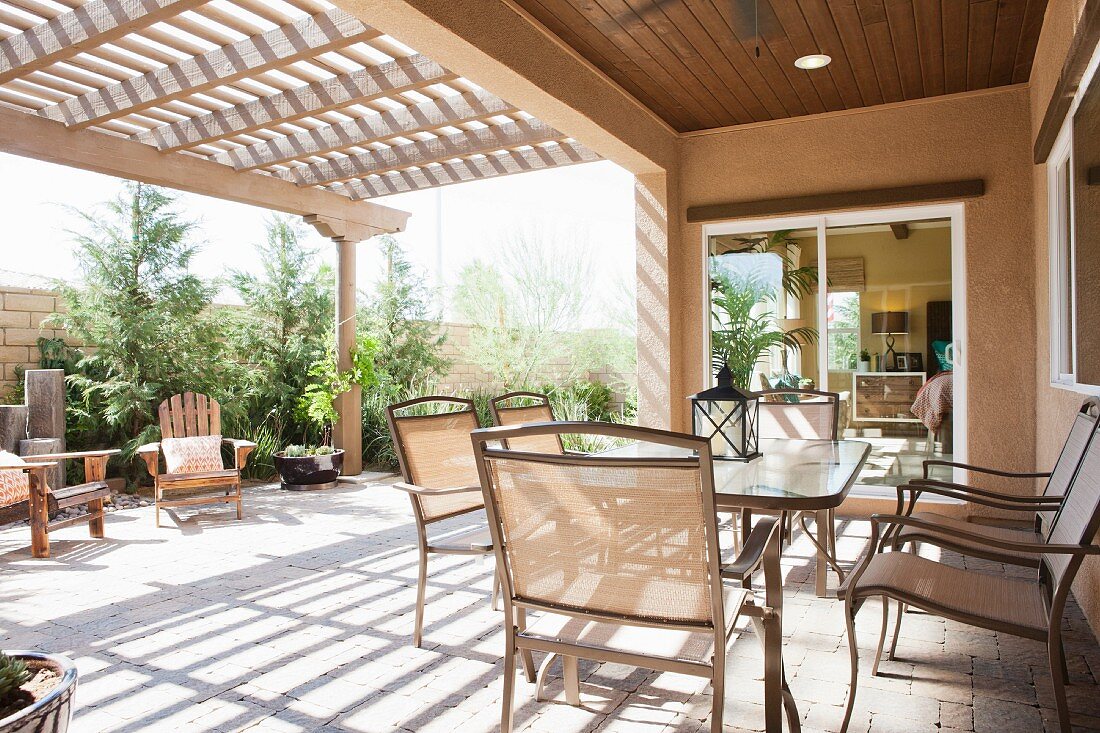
(934, 401)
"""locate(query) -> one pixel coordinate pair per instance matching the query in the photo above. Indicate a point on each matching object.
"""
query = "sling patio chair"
(1040, 508)
(521, 408)
(1028, 608)
(620, 559)
(191, 442)
(431, 436)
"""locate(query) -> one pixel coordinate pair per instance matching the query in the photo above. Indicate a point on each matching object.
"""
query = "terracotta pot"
(309, 473)
(53, 712)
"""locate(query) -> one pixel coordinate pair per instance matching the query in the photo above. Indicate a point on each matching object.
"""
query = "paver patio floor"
(299, 618)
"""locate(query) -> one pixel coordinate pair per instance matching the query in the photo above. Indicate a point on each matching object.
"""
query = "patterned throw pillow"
(192, 455)
(15, 486)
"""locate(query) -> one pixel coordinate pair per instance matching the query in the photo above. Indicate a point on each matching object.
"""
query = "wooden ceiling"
(694, 63)
(294, 89)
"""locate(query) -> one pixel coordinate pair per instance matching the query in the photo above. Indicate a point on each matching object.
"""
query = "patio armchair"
(191, 441)
(23, 480)
(1028, 608)
(521, 408)
(431, 436)
(620, 558)
(1041, 509)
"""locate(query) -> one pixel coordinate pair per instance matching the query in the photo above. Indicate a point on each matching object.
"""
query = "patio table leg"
(822, 519)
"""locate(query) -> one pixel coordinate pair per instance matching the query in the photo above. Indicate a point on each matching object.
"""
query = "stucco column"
(659, 397)
(348, 431)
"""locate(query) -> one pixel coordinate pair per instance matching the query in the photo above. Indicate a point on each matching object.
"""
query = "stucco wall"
(984, 135)
(1054, 407)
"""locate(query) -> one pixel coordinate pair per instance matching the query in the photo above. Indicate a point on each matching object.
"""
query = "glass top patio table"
(793, 475)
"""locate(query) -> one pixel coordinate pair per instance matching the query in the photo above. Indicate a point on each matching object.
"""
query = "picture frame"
(901, 363)
(916, 361)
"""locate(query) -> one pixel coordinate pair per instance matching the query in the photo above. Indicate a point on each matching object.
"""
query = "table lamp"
(888, 323)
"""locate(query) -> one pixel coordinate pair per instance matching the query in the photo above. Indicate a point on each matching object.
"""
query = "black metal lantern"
(728, 417)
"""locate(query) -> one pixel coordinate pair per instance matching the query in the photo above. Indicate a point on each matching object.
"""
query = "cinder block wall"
(23, 310)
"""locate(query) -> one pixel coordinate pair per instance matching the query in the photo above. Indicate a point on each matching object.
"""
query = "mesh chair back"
(434, 452)
(1078, 519)
(521, 408)
(1080, 434)
(809, 415)
(632, 539)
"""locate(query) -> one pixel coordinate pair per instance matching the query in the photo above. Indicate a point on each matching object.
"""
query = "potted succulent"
(308, 468)
(36, 692)
(864, 362)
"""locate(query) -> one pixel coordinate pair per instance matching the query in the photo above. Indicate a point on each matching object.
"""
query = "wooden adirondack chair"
(192, 415)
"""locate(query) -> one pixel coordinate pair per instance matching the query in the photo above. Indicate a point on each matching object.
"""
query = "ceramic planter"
(52, 713)
(309, 473)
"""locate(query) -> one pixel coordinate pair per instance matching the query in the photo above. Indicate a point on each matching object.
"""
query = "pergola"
(295, 106)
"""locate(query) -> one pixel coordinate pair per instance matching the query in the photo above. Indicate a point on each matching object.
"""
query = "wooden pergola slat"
(471, 169)
(88, 26)
(356, 87)
(423, 152)
(310, 36)
(428, 115)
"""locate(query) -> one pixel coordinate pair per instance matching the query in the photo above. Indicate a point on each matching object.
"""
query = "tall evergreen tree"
(144, 315)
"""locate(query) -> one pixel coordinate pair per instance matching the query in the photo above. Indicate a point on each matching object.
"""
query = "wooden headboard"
(938, 325)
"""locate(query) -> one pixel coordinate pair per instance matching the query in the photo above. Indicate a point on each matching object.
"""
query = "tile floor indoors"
(299, 617)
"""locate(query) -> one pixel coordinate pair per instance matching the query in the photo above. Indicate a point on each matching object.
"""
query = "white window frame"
(1061, 264)
(1061, 230)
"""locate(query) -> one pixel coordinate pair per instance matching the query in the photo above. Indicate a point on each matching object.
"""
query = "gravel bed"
(113, 504)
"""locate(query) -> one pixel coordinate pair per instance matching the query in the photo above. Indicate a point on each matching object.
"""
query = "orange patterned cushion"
(192, 455)
(14, 485)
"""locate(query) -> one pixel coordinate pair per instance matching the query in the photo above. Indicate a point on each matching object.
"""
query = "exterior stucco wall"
(1055, 408)
(949, 138)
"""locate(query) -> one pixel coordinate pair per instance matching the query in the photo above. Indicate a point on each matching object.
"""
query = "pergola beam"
(424, 152)
(88, 26)
(429, 115)
(31, 136)
(472, 169)
(356, 87)
(304, 38)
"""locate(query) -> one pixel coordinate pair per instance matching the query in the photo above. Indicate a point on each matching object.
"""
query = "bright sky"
(590, 205)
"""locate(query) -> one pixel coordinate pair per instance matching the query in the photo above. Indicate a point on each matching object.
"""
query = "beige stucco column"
(347, 433)
(660, 396)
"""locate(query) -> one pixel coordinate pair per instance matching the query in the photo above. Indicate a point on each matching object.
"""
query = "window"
(1060, 194)
(842, 322)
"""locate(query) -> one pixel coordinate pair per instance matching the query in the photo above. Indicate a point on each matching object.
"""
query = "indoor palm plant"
(741, 332)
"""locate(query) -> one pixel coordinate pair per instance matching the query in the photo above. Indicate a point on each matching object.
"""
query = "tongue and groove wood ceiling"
(694, 63)
(295, 89)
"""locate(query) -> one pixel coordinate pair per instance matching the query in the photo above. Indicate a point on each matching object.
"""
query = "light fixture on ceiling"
(813, 61)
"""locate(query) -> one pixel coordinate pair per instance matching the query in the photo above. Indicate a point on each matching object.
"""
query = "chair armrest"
(106, 452)
(972, 498)
(982, 469)
(30, 467)
(1036, 548)
(919, 485)
(241, 449)
(752, 551)
(424, 491)
(150, 453)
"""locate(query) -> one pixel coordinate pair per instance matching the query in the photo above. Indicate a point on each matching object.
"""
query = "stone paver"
(299, 618)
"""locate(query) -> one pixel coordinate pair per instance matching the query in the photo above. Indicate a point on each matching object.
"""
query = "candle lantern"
(727, 416)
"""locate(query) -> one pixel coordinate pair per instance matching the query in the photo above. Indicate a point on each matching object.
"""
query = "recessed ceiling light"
(813, 61)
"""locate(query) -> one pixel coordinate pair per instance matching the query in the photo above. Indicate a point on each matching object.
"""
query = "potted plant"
(864, 362)
(312, 467)
(36, 692)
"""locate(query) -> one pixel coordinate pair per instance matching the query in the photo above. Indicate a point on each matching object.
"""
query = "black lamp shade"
(728, 417)
(890, 322)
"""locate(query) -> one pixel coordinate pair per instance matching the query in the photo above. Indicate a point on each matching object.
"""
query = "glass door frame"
(821, 223)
